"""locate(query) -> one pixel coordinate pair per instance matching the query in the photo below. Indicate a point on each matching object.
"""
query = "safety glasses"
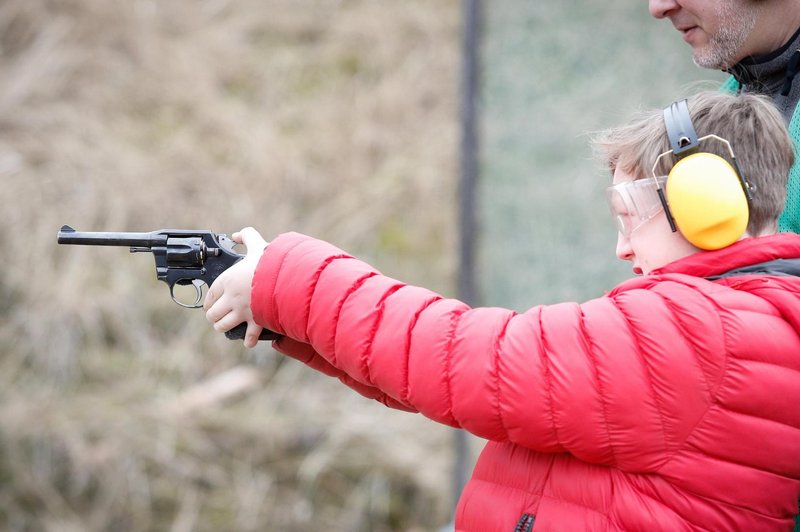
(635, 202)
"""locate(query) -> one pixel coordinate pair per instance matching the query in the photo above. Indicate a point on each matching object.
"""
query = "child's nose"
(624, 250)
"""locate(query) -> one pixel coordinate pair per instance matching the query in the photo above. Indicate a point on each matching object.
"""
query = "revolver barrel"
(68, 235)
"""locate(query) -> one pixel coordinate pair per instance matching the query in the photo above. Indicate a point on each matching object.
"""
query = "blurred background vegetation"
(553, 74)
(122, 411)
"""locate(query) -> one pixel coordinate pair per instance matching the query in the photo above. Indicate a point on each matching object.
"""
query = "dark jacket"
(775, 75)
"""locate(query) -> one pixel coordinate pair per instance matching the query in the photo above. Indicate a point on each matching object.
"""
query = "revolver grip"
(237, 333)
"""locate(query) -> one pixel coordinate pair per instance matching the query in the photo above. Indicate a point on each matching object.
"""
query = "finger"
(217, 311)
(211, 298)
(228, 322)
(252, 334)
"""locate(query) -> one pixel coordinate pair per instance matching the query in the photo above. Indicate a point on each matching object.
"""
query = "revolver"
(183, 257)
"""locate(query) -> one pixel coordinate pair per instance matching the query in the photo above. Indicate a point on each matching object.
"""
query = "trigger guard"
(198, 286)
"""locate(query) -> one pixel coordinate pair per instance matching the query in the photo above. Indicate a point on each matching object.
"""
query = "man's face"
(717, 30)
(652, 244)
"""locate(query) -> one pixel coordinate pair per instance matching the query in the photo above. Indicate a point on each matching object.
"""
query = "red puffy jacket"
(671, 403)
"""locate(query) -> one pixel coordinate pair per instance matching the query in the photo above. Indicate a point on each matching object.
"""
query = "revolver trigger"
(198, 287)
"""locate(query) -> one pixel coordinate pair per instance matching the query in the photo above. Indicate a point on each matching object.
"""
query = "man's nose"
(662, 8)
(624, 250)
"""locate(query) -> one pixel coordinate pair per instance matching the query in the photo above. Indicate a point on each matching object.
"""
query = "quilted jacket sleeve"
(306, 354)
(598, 380)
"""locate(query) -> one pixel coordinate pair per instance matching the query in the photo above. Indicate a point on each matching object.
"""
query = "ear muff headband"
(706, 197)
(680, 130)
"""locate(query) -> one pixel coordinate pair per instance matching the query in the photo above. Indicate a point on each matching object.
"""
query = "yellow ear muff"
(707, 201)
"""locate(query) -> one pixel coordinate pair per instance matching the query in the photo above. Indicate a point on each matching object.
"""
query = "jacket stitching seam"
(404, 389)
(379, 311)
(728, 504)
(648, 374)
(713, 398)
(314, 283)
(337, 315)
(589, 343)
(766, 363)
(497, 349)
(547, 377)
(694, 448)
(689, 340)
(680, 516)
(455, 320)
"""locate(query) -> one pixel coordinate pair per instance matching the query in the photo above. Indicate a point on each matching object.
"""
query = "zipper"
(525, 523)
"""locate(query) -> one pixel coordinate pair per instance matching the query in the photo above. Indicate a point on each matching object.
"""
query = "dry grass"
(337, 118)
(121, 411)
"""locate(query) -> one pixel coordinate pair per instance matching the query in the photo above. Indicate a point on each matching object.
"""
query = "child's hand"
(227, 302)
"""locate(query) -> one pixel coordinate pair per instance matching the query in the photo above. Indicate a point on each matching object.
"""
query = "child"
(670, 403)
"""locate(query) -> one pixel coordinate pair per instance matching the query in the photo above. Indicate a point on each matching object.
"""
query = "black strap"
(682, 136)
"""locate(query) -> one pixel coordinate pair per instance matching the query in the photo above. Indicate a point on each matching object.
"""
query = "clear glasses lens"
(634, 202)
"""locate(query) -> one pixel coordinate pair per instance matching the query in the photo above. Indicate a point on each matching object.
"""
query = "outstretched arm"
(596, 380)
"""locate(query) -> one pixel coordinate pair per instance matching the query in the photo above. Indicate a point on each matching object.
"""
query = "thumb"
(251, 239)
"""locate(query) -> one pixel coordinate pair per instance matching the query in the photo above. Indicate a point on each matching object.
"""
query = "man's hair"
(751, 123)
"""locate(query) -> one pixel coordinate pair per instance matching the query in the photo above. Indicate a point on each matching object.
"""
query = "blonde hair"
(752, 125)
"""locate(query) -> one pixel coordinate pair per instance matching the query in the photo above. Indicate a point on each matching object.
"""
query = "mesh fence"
(552, 73)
